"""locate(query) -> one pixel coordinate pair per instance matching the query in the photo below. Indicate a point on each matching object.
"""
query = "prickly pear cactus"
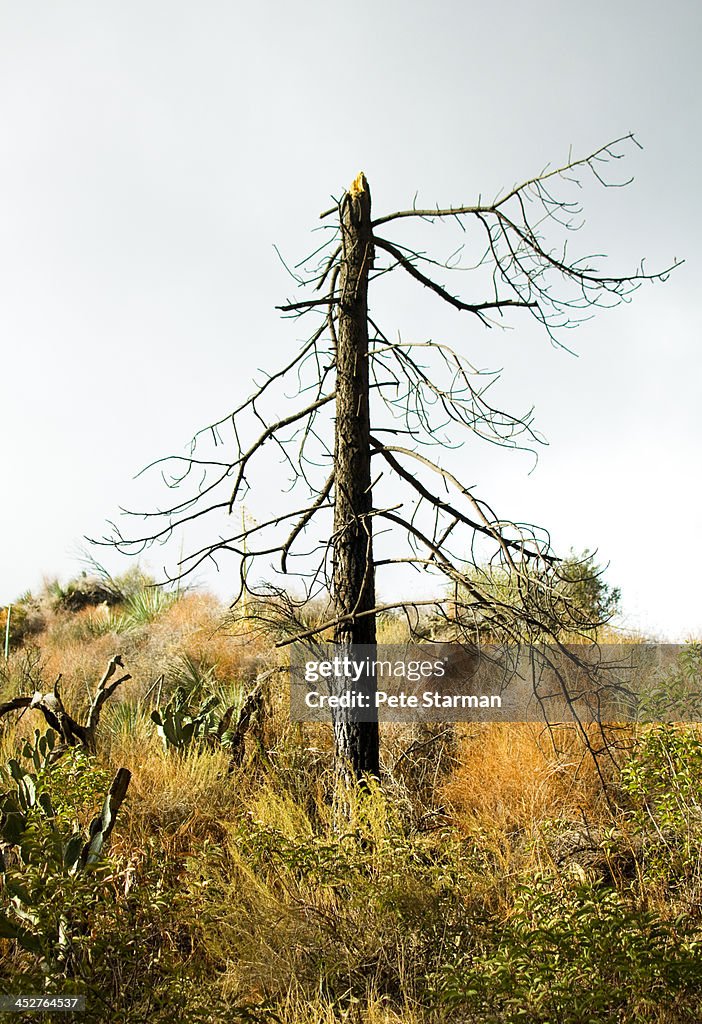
(40, 753)
(101, 826)
(178, 724)
(38, 845)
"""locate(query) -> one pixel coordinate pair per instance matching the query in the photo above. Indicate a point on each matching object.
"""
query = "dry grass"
(78, 646)
(332, 907)
(374, 1009)
(515, 776)
(179, 798)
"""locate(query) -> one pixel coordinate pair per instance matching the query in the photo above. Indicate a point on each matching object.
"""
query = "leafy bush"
(81, 922)
(663, 784)
(576, 955)
(674, 694)
(44, 852)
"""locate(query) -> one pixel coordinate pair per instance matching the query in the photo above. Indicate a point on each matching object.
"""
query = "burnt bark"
(357, 743)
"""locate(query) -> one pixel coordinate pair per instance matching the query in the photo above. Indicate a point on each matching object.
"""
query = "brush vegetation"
(489, 880)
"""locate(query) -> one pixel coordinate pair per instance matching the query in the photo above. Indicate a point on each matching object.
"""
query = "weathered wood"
(50, 704)
(353, 575)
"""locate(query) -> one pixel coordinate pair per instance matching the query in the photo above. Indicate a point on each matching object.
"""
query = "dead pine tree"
(366, 444)
(353, 576)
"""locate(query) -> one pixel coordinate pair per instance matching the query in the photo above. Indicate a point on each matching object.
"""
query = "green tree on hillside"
(571, 597)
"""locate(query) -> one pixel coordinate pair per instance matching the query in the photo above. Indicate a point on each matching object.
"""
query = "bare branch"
(469, 307)
(104, 692)
(460, 211)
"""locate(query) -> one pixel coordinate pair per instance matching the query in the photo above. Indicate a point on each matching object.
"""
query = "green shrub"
(44, 851)
(80, 921)
(568, 597)
(576, 955)
(662, 782)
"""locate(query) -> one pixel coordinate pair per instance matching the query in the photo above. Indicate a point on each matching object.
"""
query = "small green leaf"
(17, 890)
(8, 930)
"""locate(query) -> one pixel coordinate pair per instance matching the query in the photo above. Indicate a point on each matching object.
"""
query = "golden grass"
(296, 1008)
(507, 776)
(76, 647)
(504, 776)
(514, 776)
(181, 798)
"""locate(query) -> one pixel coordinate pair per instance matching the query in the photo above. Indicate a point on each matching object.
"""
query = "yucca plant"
(193, 675)
(146, 605)
(137, 610)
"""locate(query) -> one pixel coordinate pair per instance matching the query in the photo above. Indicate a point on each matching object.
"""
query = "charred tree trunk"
(357, 745)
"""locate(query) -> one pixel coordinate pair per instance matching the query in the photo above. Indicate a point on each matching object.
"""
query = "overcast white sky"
(151, 153)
